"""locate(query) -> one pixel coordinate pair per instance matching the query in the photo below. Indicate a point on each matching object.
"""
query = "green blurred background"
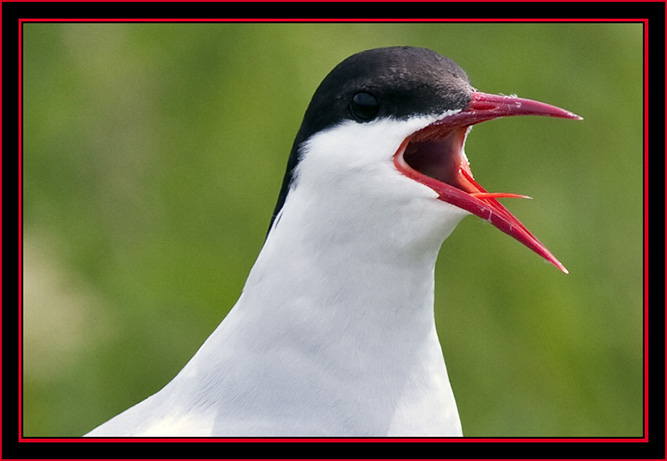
(153, 155)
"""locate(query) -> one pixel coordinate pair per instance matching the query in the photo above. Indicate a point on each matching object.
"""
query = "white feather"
(334, 333)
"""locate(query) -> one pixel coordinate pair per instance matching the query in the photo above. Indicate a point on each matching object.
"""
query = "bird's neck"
(369, 277)
(337, 317)
(340, 282)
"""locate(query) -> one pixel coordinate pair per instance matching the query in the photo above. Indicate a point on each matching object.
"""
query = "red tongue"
(474, 198)
(483, 194)
(490, 199)
(457, 186)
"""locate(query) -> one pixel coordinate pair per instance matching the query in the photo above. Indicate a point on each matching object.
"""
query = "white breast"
(334, 334)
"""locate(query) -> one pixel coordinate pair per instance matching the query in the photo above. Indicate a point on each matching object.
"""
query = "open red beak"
(434, 157)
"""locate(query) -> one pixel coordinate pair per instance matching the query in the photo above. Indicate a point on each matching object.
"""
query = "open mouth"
(434, 156)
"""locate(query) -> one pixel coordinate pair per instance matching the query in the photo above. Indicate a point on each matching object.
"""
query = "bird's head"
(384, 136)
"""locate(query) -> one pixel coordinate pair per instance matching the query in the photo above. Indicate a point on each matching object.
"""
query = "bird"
(334, 334)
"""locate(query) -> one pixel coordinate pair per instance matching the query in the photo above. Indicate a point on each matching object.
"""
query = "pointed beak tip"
(573, 116)
(558, 264)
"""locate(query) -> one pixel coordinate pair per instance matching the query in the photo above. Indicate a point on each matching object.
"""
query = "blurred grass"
(153, 156)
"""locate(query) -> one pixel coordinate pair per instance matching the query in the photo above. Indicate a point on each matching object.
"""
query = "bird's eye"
(364, 106)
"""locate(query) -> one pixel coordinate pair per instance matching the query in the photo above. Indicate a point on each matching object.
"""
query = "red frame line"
(644, 438)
